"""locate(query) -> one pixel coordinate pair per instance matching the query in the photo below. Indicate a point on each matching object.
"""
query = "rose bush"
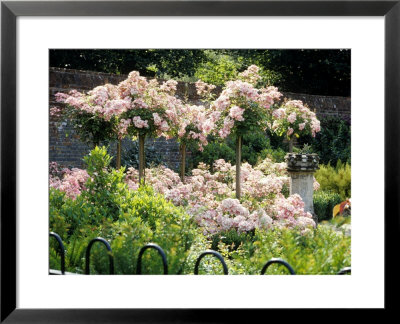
(294, 119)
(209, 197)
(95, 115)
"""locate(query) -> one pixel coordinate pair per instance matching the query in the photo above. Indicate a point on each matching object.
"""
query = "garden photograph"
(200, 162)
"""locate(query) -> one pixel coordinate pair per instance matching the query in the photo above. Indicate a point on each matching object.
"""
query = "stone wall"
(66, 149)
(324, 106)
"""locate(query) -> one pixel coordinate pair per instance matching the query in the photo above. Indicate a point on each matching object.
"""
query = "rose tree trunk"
(291, 145)
(118, 162)
(182, 149)
(141, 159)
(238, 162)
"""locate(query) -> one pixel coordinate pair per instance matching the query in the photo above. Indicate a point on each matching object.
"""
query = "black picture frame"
(10, 10)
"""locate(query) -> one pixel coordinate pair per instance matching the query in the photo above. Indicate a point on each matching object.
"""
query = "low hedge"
(324, 201)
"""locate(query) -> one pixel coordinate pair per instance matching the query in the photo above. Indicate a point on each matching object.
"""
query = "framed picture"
(30, 29)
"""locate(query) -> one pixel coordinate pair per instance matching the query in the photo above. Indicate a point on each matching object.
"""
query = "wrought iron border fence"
(344, 271)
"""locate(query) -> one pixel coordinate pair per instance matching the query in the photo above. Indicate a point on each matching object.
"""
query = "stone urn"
(301, 168)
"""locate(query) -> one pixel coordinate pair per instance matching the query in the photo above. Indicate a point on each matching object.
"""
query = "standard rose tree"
(242, 108)
(95, 115)
(191, 125)
(151, 110)
(294, 119)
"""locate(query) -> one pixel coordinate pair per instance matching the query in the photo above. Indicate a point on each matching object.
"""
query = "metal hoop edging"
(213, 253)
(62, 250)
(278, 261)
(160, 252)
(110, 257)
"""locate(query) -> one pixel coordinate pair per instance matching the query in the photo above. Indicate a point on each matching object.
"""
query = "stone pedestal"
(301, 168)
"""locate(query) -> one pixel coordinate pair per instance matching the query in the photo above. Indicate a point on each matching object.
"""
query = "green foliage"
(324, 201)
(213, 151)
(217, 69)
(303, 70)
(340, 220)
(297, 70)
(127, 219)
(90, 128)
(252, 145)
(336, 179)
(56, 216)
(220, 66)
(276, 155)
(150, 219)
(106, 191)
(150, 62)
(333, 142)
(256, 146)
(320, 251)
(170, 227)
(306, 149)
(231, 239)
(69, 215)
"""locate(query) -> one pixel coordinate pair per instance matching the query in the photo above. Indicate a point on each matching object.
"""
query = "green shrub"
(67, 215)
(255, 147)
(168, 226)
(106, 191)
(320, 251)
(252, 146)
(276, 155)
(232, 239)
(127, 219)
(218, 68)
(306, 149)
(150, 219)
(336, 179)
(212, 152)
(324, 201)
(333, 142)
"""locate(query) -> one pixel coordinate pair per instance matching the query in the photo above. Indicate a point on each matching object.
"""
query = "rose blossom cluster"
(204, 89)
(134, 106)
(191, 123)
(156, 111)
(152, 105)
(289, 212)
(294, 118)
(241, 98)
(208, 197)
(250, 75)
(71, 181)
(102, 101)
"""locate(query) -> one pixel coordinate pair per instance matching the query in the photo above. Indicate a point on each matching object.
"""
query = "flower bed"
(187, 218)
(209, 197)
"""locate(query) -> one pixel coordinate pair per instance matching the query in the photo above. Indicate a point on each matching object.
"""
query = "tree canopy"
(312, 71)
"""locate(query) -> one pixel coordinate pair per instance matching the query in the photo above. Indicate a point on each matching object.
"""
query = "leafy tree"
(312, 71)
(151, 62)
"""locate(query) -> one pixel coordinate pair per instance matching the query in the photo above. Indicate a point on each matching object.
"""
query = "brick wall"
(66, 149)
